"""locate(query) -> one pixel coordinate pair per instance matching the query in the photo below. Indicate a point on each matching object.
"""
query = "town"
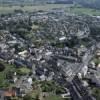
(49, 53)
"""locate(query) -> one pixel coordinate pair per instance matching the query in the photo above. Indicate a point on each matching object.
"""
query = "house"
(30, 80)
(96, 79)
(42, 77)
(9, 93)
(23, 53)
(62, 38)
(98, 53)
(84, 70)
(66, 95)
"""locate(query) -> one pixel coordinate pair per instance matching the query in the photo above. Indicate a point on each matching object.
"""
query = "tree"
(59, 90)
(2, 67)
(47, 86)
(37, 97)
(27, 97)
(96, 93)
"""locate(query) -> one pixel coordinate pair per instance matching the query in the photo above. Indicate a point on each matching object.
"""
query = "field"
(10, 9)
(87, 11)
(67, 7)
(53, 97)
(23, 71)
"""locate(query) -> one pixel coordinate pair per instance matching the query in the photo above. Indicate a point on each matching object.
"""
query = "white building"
(84, 70)
(30, 80)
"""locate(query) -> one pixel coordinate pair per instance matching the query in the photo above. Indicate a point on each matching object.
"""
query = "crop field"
(10, 9)
(67, 7)
(87, 11)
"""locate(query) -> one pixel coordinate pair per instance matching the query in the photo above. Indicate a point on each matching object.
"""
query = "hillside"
(89, 3)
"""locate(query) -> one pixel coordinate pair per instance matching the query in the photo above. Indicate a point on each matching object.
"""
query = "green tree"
(27, 97)
(2, 67)
(96, 93)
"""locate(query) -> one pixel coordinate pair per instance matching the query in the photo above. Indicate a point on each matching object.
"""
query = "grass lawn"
(34, 27)
(34, 93)
(82, 10)
(23, 70)
(53, 97)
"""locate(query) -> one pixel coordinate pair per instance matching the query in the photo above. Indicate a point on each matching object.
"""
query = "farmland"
(10, 9)
(67, 7)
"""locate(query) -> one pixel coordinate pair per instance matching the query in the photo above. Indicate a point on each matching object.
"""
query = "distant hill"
(36, 1)
(89, 3)
(60, 1)
(21, 1)
(85, 3)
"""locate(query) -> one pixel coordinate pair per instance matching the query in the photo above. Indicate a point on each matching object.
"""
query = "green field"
(87, 11)
(53, 97)
(8, 9)
(23, 71)
(66, 7)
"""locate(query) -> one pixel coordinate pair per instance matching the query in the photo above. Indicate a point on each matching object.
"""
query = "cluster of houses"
(49, 61)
